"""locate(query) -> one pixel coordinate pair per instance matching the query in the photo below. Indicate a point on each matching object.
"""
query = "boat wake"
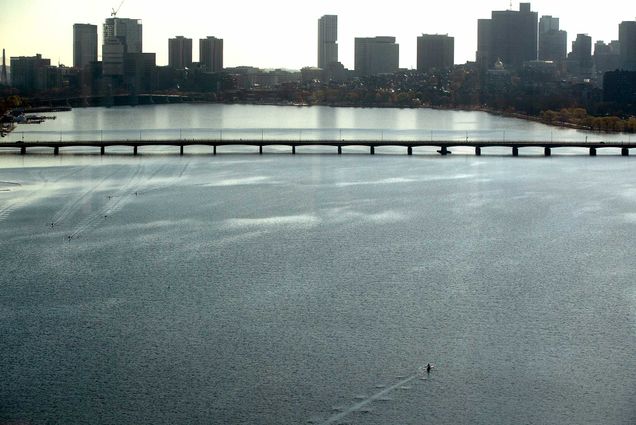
(138, 183)
(383, 395)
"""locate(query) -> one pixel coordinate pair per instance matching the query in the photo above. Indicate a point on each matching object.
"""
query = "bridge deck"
(372, 144)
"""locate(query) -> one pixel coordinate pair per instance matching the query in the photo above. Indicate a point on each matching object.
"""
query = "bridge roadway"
(443, 145)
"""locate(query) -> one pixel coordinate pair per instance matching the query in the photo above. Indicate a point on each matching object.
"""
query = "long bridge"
(443, 146)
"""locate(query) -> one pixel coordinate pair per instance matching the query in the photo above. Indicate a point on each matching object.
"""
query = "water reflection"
(236, 122)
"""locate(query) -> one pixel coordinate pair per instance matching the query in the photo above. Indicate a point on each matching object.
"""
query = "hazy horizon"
(279, 34)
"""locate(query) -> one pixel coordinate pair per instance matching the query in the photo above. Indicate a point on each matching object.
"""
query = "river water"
(314, 288)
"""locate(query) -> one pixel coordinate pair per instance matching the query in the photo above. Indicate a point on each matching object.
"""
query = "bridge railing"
(27, 134)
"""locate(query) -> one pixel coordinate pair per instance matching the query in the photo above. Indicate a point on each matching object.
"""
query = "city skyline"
(286, 35)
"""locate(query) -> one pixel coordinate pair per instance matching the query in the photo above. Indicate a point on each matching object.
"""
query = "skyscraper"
(327, 41)
(377, 55)
(113, 52)
(627, 39)
(180, 52)
(121, 36)
(509, 36)
(435, 51)
(484, 43)
(3, 74)
(582, 51)
(84, 44)
(547, 24)
(607, 57)
(553, 42)
(211, 54)
(129, 31)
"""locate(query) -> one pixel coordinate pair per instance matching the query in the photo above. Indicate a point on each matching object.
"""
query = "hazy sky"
(282, 33)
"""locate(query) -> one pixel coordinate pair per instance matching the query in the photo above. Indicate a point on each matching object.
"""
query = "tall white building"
(84, 44)
(327, 40)
(121, 36)
(377, 55)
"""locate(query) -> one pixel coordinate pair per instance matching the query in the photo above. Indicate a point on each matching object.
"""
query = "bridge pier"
(372, 150)
(443, 151)
(214, 150)
(102, 150)
(515, 151)
(592, 151)
(134, 150)
(547, 152)
(625, 151)
(293, 149)
(23, 150)
(339, 150)
(181, 150)
(409, 151)
(260, 149)
(56, 150)
(477, 150)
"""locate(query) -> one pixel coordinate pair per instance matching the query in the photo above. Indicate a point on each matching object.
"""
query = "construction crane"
(114, 12)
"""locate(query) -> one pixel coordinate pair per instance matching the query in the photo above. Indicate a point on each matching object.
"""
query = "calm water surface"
(279, 289)
(201, 121)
